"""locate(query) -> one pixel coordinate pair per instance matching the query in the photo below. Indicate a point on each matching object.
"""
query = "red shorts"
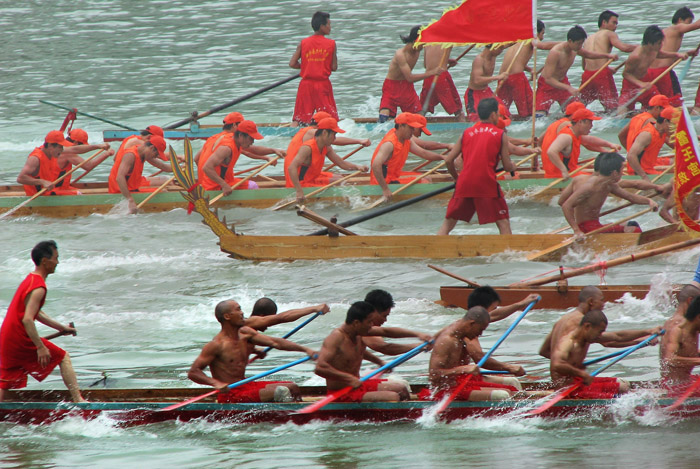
(356, 395)
(445, 93)
(472, 99)
(601, 388)
(249, 392)
(313, 96)
(590, 225)
(602, 88)
(517, 88)
(546, 95)
(629, 90)
(399, 94)
(488, 209)
(668, 85)
(472, 385)
(14, 375)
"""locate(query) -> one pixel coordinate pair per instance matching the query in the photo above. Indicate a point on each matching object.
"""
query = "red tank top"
(13, 335)
(225, 170)
(309, 173)
(316, 57)
(650, 154)
(570, 161)
(48, 171)
(133, 178)
(481, 152)
(395, 163)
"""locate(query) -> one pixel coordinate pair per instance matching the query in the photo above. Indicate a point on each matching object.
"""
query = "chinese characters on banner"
(687, 166)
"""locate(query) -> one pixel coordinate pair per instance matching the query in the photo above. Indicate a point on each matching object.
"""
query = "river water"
(141, 289)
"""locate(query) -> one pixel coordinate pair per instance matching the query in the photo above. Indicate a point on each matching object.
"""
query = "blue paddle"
(290, 333)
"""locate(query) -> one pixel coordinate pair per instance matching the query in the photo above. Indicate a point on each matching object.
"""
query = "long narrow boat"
(128, 407)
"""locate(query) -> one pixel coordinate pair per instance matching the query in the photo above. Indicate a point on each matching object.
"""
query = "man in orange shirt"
(41, 167)
(69, 158)
(643, 154)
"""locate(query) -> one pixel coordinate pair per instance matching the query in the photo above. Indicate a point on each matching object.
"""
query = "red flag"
(483, 22)
(687, 166)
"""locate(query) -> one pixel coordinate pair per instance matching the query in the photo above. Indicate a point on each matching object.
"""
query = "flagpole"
(536, 159)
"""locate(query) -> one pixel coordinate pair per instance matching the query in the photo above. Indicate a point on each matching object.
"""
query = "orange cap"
(249, 127)
(503, 117)
(582, 114)
(422, 121)
(573, 107)
(320, 115)
(659, 100)
(155, 130)
(668, 112)
(405, 118)
(56, 136)
(158, 142)
(330, 124)
(233, 118)
(79, 136)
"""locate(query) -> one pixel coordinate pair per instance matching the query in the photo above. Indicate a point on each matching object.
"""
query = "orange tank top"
(224, 170)
(48, 171)
(636, 124)
(133, 178)
(292, 150)
(307, 174)
(397, 159)
(570, 161)
(316, 57)
(650, 154)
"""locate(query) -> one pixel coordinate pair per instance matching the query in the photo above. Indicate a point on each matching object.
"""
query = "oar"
(61, 333)
(593, 361)
(341, 392)
(155, 192)
(318, 191)
(653, 82)
(518, 164)
(444, 404)
(689, 392)
(332, 165)
(566, 392)
(390, 208)
(86, 172)
(290, 333)
(248, 170)
(87, 115)
(245, 179)
(619, 67)
(557, 181)
(235, 385)
(231, 103)
(686, 67)
(510, 65)
(597, 72)
(381, 200)
(455, 276)
(51, 187)
(428, 97)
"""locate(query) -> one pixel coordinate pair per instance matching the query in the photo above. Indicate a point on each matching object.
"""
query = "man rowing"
(304, 167)
(643, 154)
(481, 75)
(657, 104)
(69, 158)
(679, 351)
(342, 353)
(684, 298)
(445, 91)
(227, 357)
(41, 167)
(22, 351)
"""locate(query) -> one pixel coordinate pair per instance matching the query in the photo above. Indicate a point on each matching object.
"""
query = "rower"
(41, 167)
(227, 357)
(656, 104)
(643, 154)
(445, 92)
(22, 351)
(341, 356)
(481, 75)
(69, 157)
(679, 350)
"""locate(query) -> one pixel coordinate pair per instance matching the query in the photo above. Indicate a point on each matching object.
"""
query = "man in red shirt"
(316, 57)
(22, 351)
(482, 147)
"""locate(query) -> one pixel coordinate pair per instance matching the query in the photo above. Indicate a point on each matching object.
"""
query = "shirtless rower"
(445, 91)
(22, 351)
(679, 351)
(685, 296)
(582, 208)
(41, 167)
(489, 298)
(643, 154)
(449, 363)
(305, 167)
(69, 158)
(602, 88)
(398, 90)
(341, 355)
(516, 86)
(227, 357)
(553, 85)
(635, 76)
(481, 75)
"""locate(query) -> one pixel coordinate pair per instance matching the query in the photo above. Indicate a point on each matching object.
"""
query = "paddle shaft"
(597, 72)
(557, 181)
(409, 184)
(245, 179)
(62, 333)
(518, 164)
(155, 192)
(322, 189)
(429, 96)
(290, 333)
(332, 165)
(510, 65)
(652, 83)
(87, 115)
(455, 276)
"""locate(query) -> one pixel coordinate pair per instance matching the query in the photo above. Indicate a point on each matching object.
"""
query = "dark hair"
(380, 299)
(44, 249)
(693, 309)
(486, 107)
(687, 292)
(319, 19)
(588, 292)
(227, 126)
(577, 33)
(477, 314)
(682, 14)
(483, 296)
(594, 317)
(222, 308)
(540, 26)
(358, 311)
(605, 16)
(264, 307)
(412, 35)
(319, 132)
(596, 162)
(145, 133)
(610, 162)
(652, 35)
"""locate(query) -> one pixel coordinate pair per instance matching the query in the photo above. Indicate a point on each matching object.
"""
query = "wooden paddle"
(288, 334)
(446, 402)
(428, 97)
(318, 191)
(70, 109)
(62, 333)
(302, 211)
(245, 179)
(597, 72)
(404, 187)
(51, 187)
(557, 181)
(579, 382)
(455, 276)
(518, 164)
(332, 165)
(234, 385)
(510, 65)
(379, 371)
(155, 192)
(656, 234)
(652, 83)
(86, 172)
(619, 67)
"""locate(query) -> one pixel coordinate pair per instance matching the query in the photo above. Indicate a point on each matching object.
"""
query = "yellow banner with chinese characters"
(687, 168)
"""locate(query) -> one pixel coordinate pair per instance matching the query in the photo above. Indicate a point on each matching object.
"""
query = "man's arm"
(329, 349)
(80, 149)
(669, 354)
(589, 54)
(258, 152)
(75, 160)
(295, 61)
(407, 72)
(598, 144)
(302, 155)
(476, 353)
(261, 322)
(546, 347)
(206, 357)
(398, 333)
(569, 207)
(634, 198)
(503, 312)
(626, 337)
(622, 136)
(431, 145)
(505, 154)
(343, 164)
(618, 44)
(209, 168)
(383, 155)
(561, 143)
(452, 156)
(256, 338)
(378, 344)
(31, 167)
(32, 305)
(334, 61)
(550, 66)
(423, 153)
(640, 144)
(125, 166)
(370, 357)
(477, 77)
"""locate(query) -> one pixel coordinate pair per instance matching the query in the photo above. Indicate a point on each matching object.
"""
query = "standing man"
(482, 147)
(22, 351)
(316, 57)
(445, 91)
(602, 88)
(481, 75)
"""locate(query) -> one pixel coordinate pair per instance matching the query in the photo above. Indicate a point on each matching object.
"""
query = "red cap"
(582, 114)
(503, 117)
(330, 124)
(155, 130)
(79, 136)
(405, 118)
(233, 118)
(573, 107)
(320, 115)
(659, 100)
(158, 142)
(668, 112)
(249, 127)
(422, 121)
(56, 136)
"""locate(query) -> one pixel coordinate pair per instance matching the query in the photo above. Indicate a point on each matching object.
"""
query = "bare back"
(639, 61)
(520, 60)
(559, 61)
(673, 39)
(432, 56)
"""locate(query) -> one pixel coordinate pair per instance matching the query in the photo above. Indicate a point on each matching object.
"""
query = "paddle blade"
(679, 402)
(326, 400)
(657, 233)
(551, 252)
(557, 397)
(188, 401)
(446, 402)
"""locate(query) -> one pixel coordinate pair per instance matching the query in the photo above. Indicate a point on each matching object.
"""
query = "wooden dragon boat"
(129, 407)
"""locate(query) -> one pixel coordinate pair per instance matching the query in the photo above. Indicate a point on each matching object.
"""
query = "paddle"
(557, 181)
(155, 192)
(428, 97)
(235, 385)
(62, 333)
(87, 115)
(318, 191)
(593, 361)
(689, 392)
(360, 147)
(382, 199)
(341, 392)
(567, 391)
(245, 179)
(652, 83)
(51, 187)
(455, 276)
(289, 334)
(518, 164)
(510, 65)
(385, 210)
(231, 103)
(619, 67)
(445, 403)
(686, 67)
